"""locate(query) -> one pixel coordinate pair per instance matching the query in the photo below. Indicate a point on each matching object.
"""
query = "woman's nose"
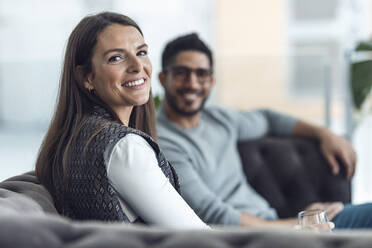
(134, 64)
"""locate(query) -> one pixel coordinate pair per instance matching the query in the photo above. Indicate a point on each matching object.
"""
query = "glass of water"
(316, 220)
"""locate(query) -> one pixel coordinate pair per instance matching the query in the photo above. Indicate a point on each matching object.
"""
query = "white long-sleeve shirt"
(133, 171)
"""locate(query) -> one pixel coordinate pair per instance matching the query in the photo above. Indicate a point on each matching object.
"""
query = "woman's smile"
(135, 84)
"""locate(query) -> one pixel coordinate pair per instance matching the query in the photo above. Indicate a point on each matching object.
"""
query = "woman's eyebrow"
(120, 50)
(142, 46)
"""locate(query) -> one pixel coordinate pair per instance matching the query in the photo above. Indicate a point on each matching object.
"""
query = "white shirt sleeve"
(133, 171)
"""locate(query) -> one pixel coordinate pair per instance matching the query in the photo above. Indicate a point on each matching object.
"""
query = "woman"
(99, 159)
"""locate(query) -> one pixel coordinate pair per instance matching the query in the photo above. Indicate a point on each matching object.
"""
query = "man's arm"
(332, 146)
(332, 209)
(259, 123)
(213, 210)
(248, 220)
(255, 124)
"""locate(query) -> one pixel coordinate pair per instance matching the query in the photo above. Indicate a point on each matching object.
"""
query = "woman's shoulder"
(130, 146)
(135, 140)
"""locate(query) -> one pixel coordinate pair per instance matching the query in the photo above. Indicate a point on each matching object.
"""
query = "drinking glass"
(316, 220)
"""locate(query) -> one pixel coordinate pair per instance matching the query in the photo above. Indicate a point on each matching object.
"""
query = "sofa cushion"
(53, 231)
(25, 193)
(13, 203)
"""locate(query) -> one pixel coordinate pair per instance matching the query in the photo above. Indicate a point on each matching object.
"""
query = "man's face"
(187, 82)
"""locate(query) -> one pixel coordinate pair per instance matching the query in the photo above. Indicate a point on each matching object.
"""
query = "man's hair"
(184, 43)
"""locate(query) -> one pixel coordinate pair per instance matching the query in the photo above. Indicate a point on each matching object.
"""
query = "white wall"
(33, 35)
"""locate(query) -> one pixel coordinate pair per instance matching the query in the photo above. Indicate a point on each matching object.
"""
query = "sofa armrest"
(27, 185)
(290, 173)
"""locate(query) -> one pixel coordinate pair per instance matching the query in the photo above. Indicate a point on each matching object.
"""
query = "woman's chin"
(141, 102)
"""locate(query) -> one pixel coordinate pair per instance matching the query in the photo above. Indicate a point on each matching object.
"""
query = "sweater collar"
(102, 112)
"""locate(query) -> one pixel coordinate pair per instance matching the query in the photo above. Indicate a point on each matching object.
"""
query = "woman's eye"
(115, 58)
(142, 53)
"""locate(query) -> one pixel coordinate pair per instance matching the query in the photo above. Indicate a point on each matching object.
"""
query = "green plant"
(361, 76)
(157, 101)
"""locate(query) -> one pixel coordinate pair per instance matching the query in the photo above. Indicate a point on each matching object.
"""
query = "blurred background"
(290, 55)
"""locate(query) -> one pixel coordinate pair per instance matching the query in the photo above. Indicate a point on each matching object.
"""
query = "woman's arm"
(133, 171)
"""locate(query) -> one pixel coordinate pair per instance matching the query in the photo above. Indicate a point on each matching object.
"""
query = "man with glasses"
(200, 142)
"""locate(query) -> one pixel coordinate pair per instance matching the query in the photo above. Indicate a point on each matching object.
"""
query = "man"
(200, 142)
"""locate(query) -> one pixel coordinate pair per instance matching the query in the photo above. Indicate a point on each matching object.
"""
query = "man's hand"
(334, 146)
(332, 208)
(248, 220)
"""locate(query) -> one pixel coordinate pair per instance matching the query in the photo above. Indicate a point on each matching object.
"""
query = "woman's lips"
(134, 84)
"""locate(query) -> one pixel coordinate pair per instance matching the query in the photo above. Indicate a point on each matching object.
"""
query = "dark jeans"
(354, 216)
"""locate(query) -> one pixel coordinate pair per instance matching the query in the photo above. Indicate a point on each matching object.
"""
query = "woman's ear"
(84, 80)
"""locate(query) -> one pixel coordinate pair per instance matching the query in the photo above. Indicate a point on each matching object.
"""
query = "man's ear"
(161, 77)
(84, 80)
(213, 80)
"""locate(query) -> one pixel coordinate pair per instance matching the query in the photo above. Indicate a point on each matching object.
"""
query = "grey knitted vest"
(88, 195)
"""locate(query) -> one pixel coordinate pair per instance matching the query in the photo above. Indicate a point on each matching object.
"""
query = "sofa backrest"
(290, 173)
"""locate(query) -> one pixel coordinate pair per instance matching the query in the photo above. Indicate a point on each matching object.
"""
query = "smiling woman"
(99, 158)
(121, 74)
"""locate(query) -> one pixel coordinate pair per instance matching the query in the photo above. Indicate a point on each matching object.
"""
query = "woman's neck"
(123, 114)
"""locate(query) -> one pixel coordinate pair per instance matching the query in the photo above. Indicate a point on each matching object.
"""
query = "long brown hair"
(74, 102)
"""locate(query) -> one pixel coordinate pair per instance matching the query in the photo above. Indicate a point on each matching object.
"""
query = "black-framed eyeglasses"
(182, 72)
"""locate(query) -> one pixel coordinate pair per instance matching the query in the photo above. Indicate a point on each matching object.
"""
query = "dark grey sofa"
(29, 219)
(291, 173)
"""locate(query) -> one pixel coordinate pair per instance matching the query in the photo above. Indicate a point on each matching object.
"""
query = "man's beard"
(172, 103)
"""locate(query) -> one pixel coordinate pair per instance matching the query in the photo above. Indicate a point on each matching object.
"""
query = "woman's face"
(121, 68)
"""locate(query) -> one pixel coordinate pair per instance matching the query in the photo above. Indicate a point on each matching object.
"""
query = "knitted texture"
(87, 194)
